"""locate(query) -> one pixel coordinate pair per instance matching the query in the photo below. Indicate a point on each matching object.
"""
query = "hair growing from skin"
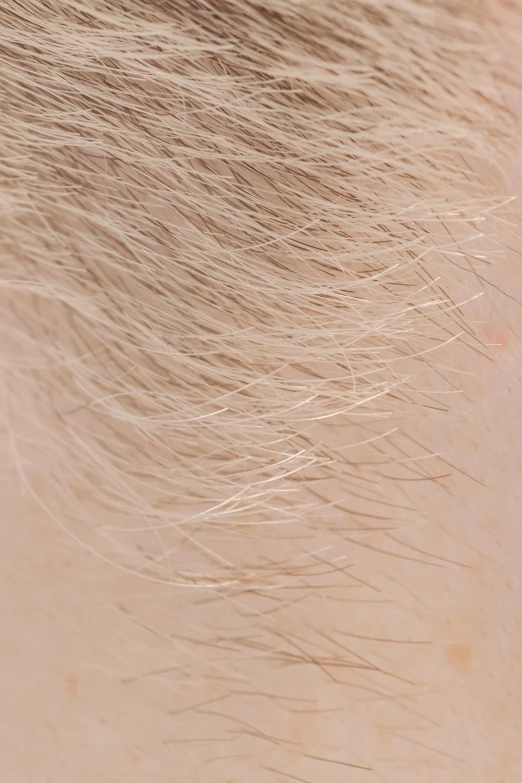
(231, 231)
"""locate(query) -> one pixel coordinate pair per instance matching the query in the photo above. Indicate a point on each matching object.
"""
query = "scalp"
(227, 228)
(240, 247)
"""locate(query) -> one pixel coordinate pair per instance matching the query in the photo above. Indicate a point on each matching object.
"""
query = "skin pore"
(380, 641)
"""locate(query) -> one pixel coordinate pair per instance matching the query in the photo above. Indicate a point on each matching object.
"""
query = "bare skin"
(399, 660)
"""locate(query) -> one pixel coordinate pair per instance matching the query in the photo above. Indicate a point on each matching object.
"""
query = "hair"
(234, 235)
(241, 246)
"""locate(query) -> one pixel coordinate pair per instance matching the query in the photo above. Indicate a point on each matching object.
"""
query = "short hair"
(230, 230)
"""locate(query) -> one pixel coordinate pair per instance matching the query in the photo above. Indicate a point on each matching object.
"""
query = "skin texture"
(91, 680)
(396, 659)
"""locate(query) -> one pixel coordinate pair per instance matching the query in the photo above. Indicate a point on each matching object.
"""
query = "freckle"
(134, 757)
(459, 656)
(496, 337)
(71, 685)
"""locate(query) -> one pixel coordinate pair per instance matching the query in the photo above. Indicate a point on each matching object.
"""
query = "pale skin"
(402, 664)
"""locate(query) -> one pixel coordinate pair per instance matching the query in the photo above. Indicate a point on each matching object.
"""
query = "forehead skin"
(394, 655)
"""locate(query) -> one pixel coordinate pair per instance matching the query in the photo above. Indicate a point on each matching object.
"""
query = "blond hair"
(229, 228)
